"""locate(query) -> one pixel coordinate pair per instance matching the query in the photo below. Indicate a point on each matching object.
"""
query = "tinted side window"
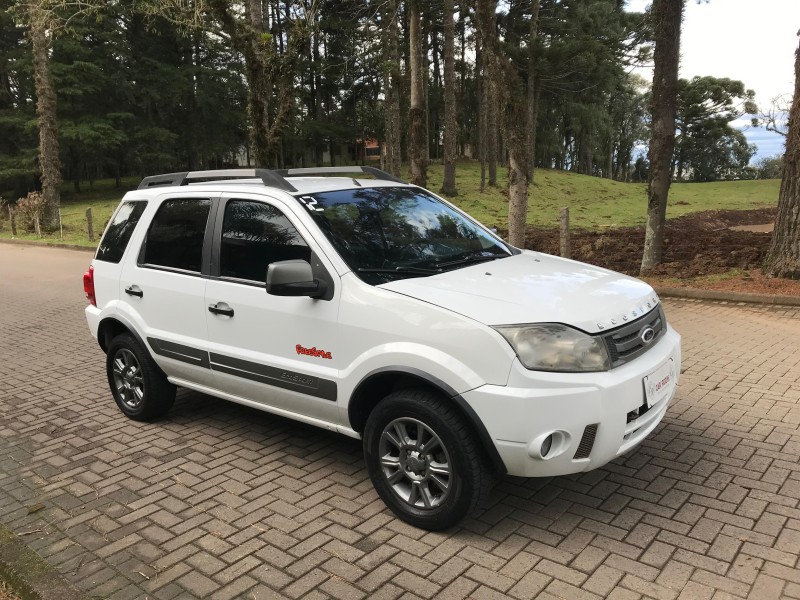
(119, 231)
(176, 235)
(255, 235)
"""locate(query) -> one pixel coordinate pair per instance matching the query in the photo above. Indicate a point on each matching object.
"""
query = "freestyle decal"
(312, 352)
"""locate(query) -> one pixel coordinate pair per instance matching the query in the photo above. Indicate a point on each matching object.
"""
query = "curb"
(30, 576)
(33, 244)
(726, 296)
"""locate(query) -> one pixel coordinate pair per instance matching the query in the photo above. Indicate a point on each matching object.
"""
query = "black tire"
(139, 387)
(410, 483)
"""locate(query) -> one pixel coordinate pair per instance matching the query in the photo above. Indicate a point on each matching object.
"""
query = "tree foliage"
(164, 85)
(707, 147)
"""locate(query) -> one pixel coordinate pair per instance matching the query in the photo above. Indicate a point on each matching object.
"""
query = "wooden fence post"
(13, 221)
(564, 246)
(89, 226)
(60, 226)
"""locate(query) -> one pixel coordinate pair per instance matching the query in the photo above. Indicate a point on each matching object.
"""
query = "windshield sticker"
(310, 203)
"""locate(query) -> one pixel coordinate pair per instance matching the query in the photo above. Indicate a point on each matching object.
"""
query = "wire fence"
(75, 225)
(698, 243)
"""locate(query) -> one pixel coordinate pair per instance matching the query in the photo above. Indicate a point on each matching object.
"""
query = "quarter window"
(119, 231)
(175, 239)
(254, 235)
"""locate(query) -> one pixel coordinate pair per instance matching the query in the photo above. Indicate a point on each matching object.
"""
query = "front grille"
(625, 343)
(587, 442)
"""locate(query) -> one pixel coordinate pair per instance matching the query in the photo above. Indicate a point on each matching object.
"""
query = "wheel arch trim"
(119, 320)
(467, 411)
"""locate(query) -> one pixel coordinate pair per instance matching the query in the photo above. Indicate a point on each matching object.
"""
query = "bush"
(29, 212)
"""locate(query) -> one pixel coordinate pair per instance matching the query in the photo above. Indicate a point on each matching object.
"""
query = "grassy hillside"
(599, 203)
(594, 203)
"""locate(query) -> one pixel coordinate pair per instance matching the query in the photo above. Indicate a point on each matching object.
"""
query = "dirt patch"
(763, 228)
(695, 245)
(752, 281)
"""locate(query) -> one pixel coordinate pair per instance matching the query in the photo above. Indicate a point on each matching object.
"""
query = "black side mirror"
(294, 278)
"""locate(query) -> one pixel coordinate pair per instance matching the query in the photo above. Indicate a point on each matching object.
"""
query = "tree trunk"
(481, 93)
(517, 171)
(666, 16)
(49, 158)
(417, 135)
(246, 38)
(512, 93)
(450, 125)
(491, 122)
(392, 90)
(533, 91)
(316, 81)
(462, 34)
(783, 258)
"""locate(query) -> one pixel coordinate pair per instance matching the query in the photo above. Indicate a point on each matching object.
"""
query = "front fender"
(407, 357)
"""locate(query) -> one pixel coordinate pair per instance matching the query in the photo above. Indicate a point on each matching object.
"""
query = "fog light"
(549, 445)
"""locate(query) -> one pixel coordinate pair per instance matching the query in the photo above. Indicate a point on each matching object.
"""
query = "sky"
(750, 40)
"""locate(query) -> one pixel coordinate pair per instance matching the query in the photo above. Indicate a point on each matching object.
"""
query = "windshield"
(387, 233)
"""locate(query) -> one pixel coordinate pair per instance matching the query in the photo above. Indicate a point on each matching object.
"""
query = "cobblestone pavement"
(220, 501)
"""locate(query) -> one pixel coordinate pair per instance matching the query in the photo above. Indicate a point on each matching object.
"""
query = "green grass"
(597, 203)
(594, 203)
(103, 198)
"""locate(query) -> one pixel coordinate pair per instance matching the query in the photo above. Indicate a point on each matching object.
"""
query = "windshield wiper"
(401, 270)
(471, 259)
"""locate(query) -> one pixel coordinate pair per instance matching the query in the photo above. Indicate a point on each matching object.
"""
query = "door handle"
(133, 290)
(220, 309)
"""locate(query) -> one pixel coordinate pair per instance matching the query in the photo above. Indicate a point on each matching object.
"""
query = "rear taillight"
(88, 285)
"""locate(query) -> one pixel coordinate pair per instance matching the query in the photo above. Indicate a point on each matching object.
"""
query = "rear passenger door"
(257, 342)
(162, 289)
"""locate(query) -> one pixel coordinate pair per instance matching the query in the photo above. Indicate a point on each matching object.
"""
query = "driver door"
(261, 345)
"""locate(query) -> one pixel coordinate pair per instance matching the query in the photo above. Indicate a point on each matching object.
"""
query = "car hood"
(532, 287)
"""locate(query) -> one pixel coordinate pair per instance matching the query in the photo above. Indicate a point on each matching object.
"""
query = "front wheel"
(140, 389)
(424, 461)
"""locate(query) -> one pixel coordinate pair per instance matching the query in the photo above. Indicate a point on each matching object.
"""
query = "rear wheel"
(140, 389)
(424, 461)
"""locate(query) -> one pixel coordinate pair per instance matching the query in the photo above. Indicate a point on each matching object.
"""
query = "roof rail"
(270, 178)
(376, 173)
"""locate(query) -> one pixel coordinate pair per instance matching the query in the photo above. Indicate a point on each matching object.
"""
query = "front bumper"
(534, 404)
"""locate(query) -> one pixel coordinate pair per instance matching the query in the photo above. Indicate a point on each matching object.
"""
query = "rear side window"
(119, 231)
(255, 235)
(175, 239)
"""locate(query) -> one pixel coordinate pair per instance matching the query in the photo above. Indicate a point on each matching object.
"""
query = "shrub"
(29, 211)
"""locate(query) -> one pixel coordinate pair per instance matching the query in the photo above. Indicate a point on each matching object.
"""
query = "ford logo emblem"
(647, 335)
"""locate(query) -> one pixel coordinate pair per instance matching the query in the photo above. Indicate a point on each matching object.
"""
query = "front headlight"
(555, 347)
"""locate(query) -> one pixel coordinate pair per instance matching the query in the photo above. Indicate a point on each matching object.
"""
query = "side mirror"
(293, 278)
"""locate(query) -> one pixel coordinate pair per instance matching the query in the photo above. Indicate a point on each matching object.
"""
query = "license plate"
(659, 384)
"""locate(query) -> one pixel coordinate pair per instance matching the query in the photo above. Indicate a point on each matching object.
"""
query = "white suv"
(376, 309)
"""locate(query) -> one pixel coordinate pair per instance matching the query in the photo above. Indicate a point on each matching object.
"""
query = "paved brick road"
(220, 501)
